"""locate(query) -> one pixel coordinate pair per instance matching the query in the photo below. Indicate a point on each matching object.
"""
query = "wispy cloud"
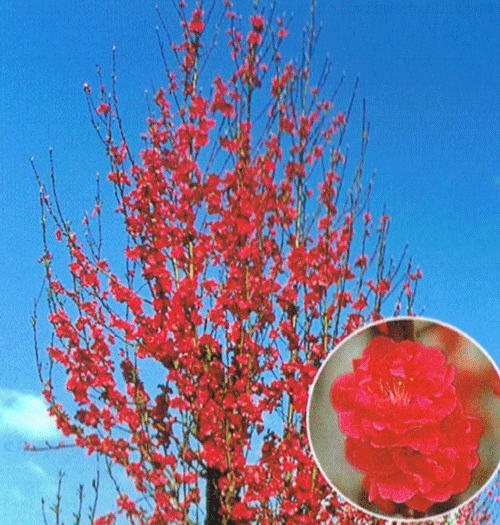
(25, 415)
(36, 470)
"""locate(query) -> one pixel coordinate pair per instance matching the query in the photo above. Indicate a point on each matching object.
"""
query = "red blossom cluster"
(405, 424)
(241, 276)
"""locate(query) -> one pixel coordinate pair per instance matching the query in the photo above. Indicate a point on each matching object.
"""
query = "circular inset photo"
(403, 418)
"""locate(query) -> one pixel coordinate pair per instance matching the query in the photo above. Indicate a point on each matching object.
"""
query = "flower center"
(397, 393)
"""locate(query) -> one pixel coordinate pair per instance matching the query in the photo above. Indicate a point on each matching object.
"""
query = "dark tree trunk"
(213, 495)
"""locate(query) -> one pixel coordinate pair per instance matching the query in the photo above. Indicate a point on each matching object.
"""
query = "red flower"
(103, 108)
(197, 25)
(395, 387)
(282, 33)
(257, 22)
(405, 424)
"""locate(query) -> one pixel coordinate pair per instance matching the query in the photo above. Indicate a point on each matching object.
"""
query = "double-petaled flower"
(405, 425)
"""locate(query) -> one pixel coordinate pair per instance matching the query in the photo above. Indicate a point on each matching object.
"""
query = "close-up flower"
(405, 425)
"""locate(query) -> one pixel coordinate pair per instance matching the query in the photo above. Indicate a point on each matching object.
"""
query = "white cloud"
(25, 415)
(36, 470)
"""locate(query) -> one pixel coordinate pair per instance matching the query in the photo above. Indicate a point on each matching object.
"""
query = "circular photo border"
(476, 381)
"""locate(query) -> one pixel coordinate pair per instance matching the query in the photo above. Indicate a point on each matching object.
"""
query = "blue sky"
(430, 73)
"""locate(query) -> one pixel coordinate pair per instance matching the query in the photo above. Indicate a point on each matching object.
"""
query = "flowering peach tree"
(250, 251)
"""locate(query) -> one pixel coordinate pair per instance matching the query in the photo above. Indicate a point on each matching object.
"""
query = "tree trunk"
(213, 495)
